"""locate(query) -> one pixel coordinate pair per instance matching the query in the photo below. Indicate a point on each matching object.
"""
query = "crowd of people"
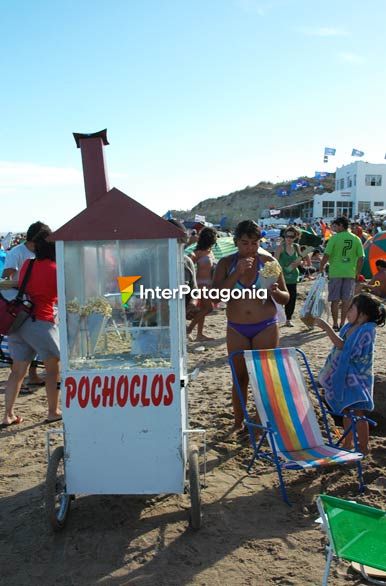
(347, 377)
(252, 323)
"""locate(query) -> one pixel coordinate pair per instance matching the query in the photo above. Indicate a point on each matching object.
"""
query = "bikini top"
(238, 284)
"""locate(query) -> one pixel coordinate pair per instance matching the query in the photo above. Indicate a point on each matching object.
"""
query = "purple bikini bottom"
(251, 330)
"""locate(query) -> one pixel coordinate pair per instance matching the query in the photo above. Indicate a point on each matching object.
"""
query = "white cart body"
(124, 410)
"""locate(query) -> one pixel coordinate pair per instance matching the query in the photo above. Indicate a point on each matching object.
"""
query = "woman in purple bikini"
(252, 323)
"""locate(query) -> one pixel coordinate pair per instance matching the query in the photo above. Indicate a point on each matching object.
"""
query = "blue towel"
(347, 376)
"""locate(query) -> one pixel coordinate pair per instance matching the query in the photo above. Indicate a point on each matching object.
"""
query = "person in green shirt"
(288, 255)
(344, 253)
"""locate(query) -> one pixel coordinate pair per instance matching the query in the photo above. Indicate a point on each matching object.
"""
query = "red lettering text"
(70, 384)
(122, 395)
(134, 396)
(156, 397)
(108, 391)
(84, 391)
(144, 400)
(95, 398)
(168, 398)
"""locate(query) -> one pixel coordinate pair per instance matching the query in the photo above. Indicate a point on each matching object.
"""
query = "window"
(363, 206)
(337, 184)
(355, 180)
(349, 182)
(373, 180)
(378, 204)
(328, 209)
(344, 208)
(341, 183)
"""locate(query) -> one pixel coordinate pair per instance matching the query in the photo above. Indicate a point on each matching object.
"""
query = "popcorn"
(93, 305)
(73, 306)
(271, 269)
(269, 274)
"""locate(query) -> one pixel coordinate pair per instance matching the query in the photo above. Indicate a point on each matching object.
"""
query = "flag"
(198, 218)
(322, 174)
(329, 151)
(274, 212)
(281, 192)
(356, 153)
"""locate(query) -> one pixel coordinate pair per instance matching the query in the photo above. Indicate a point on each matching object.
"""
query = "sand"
(248, 537)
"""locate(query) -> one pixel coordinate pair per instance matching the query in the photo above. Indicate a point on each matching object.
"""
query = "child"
(347, 376)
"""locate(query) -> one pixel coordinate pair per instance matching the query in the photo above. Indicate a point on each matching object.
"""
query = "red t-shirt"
(41, 287)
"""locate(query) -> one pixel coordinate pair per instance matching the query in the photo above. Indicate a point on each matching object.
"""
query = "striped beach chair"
(287, 416)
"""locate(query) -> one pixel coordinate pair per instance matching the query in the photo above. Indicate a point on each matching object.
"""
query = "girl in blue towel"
(347, 376)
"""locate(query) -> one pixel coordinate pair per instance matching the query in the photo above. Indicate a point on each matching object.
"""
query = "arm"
(323, 262)
(278, 252)
(222, 280)
(359, 266)
(335, 339)
(8, 273)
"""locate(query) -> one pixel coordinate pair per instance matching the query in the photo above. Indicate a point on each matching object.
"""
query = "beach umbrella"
(223, 247)
(375, 249)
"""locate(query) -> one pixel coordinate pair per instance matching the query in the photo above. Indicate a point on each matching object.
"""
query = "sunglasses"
(290, 236)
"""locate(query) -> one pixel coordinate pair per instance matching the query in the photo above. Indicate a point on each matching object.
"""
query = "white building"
(360, 187)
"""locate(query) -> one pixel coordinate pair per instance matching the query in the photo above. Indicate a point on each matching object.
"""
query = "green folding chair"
(357, 533)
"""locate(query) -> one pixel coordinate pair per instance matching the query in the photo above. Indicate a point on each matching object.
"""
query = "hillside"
(251, 201)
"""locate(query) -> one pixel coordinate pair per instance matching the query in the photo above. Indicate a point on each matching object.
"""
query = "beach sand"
(248, 536)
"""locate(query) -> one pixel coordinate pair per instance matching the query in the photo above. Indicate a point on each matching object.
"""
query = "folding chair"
(356, 533)
(287, 416)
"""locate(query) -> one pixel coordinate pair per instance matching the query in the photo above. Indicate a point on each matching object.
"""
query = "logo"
(126, 287)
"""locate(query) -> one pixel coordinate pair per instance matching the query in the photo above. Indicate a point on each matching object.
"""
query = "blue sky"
(200, 98)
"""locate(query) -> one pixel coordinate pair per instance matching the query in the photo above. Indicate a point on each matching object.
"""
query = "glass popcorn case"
(110, 325)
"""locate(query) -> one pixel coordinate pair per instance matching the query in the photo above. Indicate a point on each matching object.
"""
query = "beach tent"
(223, 247)
(375, 249)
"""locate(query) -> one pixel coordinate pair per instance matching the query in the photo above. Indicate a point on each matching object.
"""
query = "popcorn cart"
(124, 374)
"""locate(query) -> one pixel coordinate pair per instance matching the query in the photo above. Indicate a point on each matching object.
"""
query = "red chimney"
(94, 168)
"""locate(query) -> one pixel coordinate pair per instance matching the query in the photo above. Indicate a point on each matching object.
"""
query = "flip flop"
(16, 421)
(47, 421)
(26, 391)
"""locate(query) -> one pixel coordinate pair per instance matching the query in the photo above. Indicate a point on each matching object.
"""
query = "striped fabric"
(4, 346)
(281, 398)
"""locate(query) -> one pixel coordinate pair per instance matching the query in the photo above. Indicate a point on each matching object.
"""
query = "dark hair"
(37, 230)
(293, 230)
(45, 249)
(247, 228)
(381, 263)
(206, 238)
(371, 307)
(341, 221)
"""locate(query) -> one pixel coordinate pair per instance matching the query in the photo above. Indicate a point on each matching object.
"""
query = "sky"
(200, 98)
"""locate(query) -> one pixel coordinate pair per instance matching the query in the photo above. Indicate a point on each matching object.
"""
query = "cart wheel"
(57, 500)
(195, 489)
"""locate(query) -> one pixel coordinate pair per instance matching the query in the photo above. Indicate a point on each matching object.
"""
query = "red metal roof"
(115, 216)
